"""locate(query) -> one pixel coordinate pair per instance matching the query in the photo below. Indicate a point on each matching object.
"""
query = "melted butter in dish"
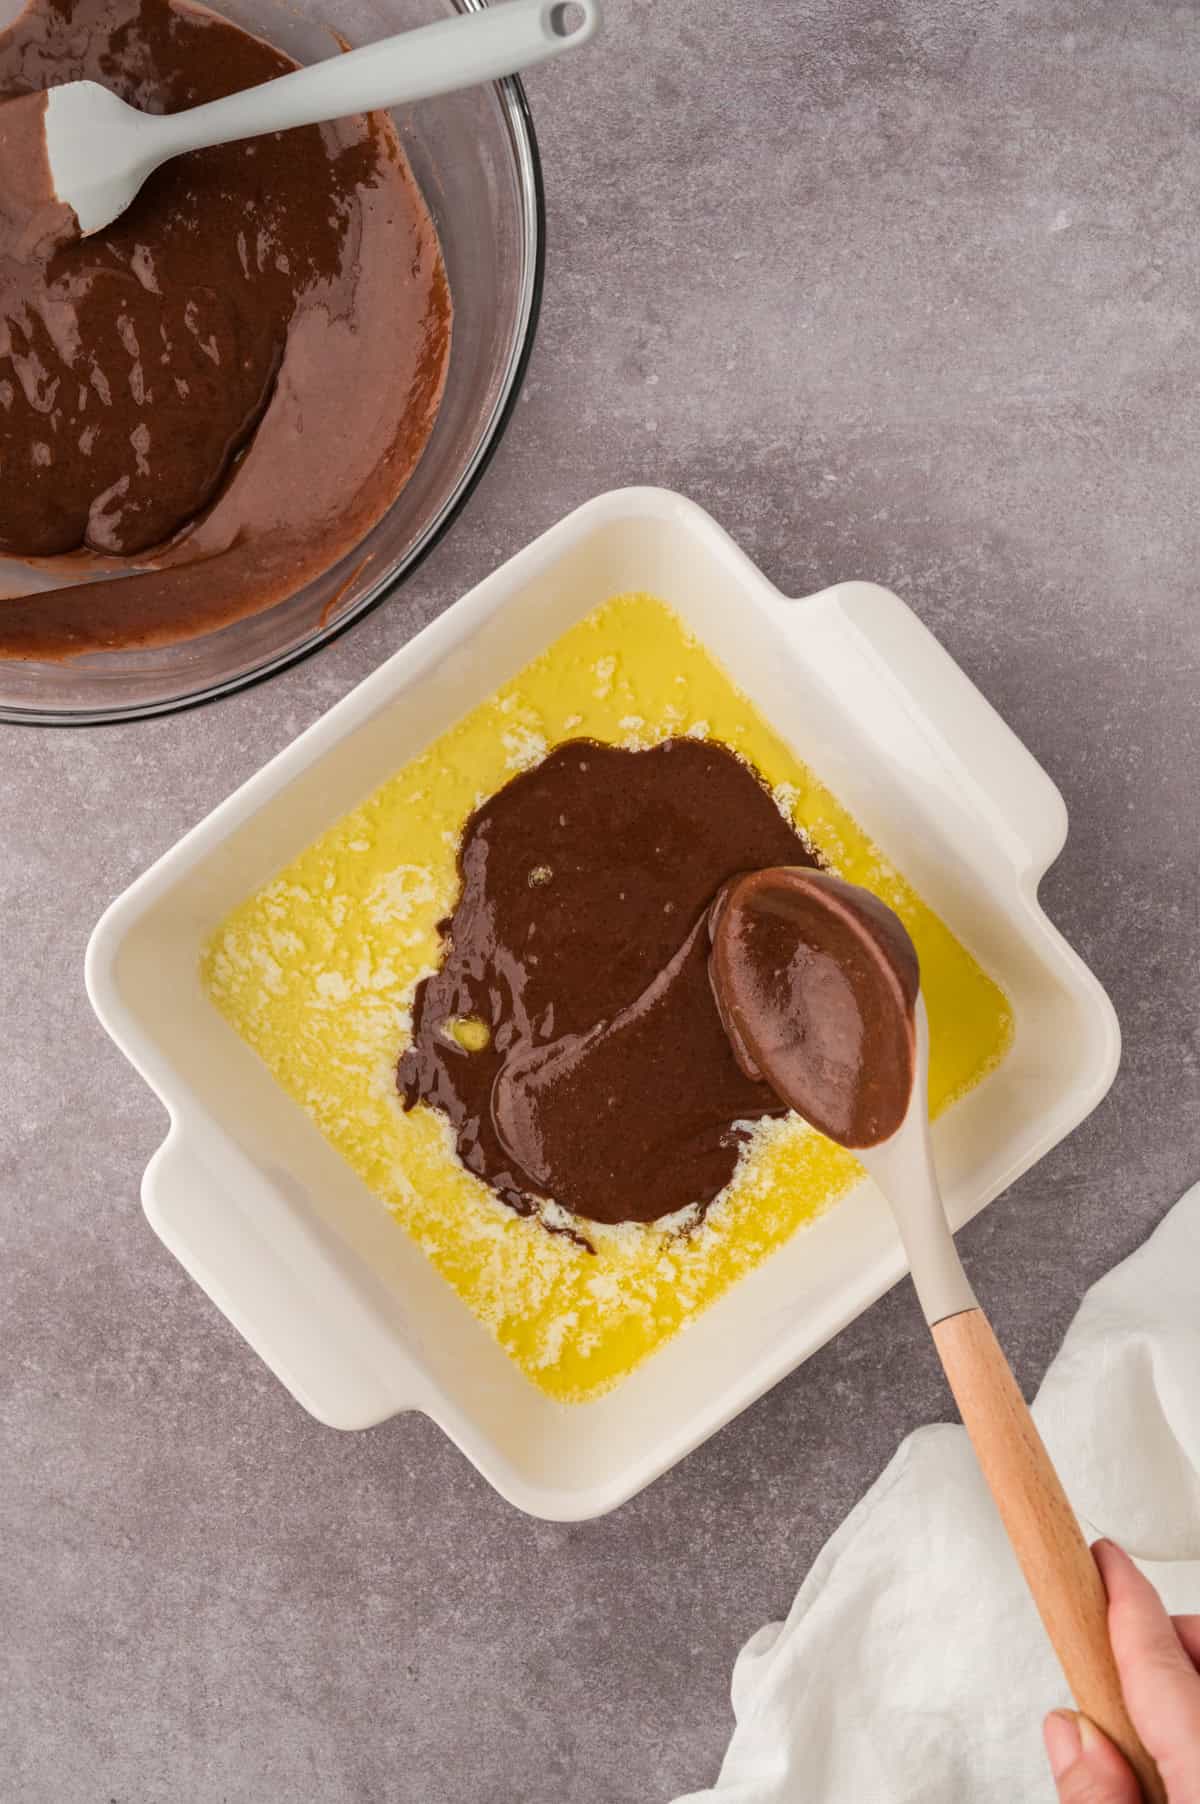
(207, 404)
(319, 972)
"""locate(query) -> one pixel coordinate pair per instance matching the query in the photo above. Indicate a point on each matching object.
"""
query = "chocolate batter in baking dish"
(571, 1035)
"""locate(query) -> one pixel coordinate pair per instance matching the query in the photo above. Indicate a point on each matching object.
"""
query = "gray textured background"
(900, 289)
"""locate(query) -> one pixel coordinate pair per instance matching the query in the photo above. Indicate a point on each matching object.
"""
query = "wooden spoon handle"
(1057, 1562)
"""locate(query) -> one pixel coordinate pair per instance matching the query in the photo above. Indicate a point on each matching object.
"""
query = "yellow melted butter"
(317, 971)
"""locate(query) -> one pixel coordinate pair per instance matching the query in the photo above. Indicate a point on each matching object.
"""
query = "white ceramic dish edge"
(273, 1270)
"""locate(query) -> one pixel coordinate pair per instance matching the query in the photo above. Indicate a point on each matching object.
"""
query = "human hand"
(1158, 1659)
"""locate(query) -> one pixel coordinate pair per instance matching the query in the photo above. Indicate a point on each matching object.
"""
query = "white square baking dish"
(288, 1242)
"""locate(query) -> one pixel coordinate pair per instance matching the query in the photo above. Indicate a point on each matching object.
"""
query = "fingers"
(1087, 1768)
(1158, 1677)
(1157, 1658)
(1188, 1630)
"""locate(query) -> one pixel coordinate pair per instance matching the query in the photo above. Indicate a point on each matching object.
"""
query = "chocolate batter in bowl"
(474, 159)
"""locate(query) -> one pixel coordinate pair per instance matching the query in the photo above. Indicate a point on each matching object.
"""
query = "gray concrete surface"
(900, 289)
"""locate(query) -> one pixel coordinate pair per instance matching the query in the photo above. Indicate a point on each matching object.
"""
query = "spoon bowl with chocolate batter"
(818, 987)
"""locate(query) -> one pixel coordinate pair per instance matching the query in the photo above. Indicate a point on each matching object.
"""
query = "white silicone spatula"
(101, 150)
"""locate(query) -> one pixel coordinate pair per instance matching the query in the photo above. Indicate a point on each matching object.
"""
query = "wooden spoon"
(819, 990)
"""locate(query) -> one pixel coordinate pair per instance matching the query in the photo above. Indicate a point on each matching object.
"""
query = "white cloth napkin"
(912, 1668)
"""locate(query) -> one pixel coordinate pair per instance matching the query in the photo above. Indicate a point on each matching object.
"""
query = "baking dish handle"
(246, 1248)
(895, 667)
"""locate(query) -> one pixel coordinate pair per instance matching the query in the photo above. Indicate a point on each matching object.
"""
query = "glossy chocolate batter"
(231, 383)
(580, 943)
(32, 218)
(816, 981)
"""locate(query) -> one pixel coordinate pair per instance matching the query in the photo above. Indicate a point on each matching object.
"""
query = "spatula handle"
(1057, 1562)
(414, 65)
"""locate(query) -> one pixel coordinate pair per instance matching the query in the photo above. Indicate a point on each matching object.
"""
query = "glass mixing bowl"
(475, 157)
